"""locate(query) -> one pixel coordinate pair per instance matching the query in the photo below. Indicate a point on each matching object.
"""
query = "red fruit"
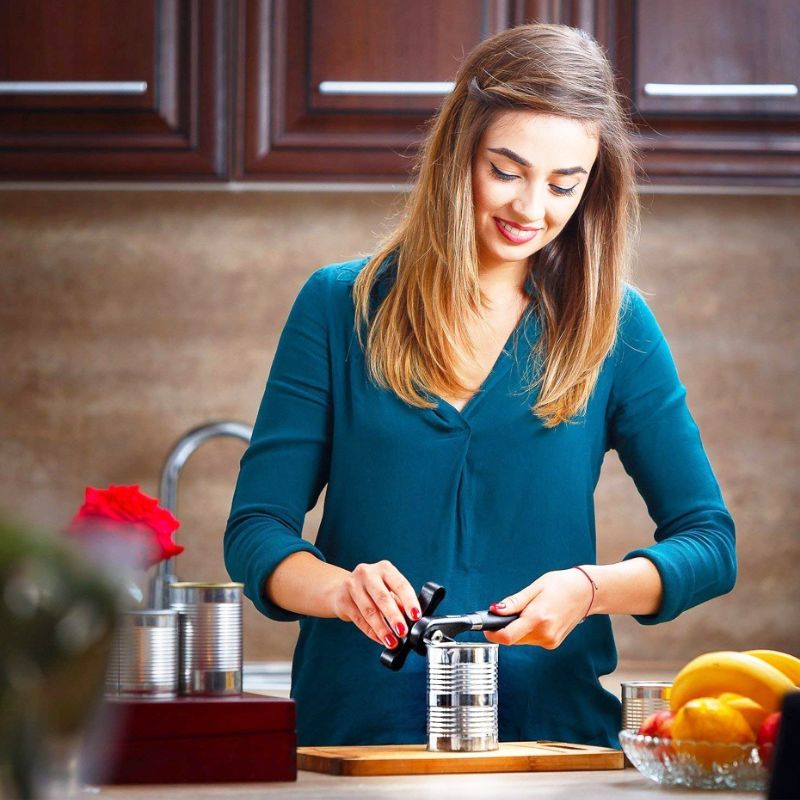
(658, 724)
(767, 736)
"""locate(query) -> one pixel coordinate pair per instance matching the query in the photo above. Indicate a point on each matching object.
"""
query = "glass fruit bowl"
(697, 765)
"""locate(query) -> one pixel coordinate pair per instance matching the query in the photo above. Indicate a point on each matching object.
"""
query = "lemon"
(753, 713)
(710, 724)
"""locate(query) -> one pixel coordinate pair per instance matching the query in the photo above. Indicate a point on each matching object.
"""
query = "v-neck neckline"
(501, 367)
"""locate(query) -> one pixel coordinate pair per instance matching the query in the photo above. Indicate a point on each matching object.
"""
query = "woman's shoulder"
(340, 272)
(635, 315)
(330, 286)
(638, 331)
(337, 280)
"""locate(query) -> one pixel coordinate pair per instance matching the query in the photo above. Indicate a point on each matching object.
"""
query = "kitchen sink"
(267, 677)
(275, 677)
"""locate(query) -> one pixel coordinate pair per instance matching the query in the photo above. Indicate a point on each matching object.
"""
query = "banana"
(729, 671)
(789, 665)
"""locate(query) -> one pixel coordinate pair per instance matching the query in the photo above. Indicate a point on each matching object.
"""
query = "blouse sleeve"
(659, 445)
(286, 466)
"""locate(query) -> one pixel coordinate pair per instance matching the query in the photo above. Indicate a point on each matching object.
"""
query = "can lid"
(632, 690)
(450, 644)
(149, 617)
(148, 612)
(647, 684)
(206, 585)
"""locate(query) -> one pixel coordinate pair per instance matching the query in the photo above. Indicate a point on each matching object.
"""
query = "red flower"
(127, 513)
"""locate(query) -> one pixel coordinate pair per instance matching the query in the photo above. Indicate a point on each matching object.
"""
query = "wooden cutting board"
(415, 759)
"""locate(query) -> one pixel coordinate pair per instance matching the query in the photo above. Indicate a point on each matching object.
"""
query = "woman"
(457, 392)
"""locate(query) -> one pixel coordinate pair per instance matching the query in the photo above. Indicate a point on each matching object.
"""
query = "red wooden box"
(248, 738)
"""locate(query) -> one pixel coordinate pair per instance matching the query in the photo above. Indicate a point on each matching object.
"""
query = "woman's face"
(528, 176)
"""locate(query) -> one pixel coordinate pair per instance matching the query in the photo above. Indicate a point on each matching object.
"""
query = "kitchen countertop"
(627, 784)
(597, 785)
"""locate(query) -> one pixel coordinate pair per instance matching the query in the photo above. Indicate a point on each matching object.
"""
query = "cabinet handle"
(720, 89)
(73, 87)
(386, 87)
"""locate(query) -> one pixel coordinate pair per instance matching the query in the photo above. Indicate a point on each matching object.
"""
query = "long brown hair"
(414, 336)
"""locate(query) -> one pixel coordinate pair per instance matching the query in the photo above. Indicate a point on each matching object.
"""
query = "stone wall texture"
(128, 317)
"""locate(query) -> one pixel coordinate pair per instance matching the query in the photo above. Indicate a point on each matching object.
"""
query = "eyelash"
(504, 176)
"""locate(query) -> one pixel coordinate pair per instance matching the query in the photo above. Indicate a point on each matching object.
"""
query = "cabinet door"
(112, 88)
(714, 88)
(341, 89)
(718, 57)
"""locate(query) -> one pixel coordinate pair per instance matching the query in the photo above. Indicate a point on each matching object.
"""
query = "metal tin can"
(640, 699)
(144, 656)
(210, 637)
(462, 696)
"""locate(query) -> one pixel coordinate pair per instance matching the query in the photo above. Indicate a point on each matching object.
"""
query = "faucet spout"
(168, 492)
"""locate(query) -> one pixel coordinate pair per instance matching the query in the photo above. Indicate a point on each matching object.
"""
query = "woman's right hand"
(373, 597)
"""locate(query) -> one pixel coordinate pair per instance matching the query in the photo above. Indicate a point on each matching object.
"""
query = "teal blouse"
(481, 501)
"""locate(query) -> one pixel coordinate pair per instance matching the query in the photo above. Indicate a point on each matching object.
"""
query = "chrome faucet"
(168, 491)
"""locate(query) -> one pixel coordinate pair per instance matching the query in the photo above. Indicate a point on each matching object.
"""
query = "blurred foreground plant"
(57, 618)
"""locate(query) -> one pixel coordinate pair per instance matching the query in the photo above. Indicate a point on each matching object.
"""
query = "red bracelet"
(594, 590)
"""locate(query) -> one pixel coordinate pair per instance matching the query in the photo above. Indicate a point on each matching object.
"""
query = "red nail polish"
(401, 629)
(494, 606)
(391, 642)
(415, 614)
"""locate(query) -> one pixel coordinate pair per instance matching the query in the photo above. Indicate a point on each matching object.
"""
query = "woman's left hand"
(549, 609)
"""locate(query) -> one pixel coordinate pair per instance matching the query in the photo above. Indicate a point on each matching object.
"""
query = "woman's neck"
(503, 285)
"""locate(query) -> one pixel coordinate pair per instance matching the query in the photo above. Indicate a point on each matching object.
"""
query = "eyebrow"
(504, 151)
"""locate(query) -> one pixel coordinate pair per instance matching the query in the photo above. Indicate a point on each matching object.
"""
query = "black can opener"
(432, 629)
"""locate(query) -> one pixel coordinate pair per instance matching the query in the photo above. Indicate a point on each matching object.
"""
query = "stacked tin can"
(640, 699)
(192, 648)
(144, 658)
(210, 637)
(462, 696)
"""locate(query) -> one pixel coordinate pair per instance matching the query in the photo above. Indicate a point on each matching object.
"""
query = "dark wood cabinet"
(341, 90)
(717, 58)
(713, 88)
(114, 89)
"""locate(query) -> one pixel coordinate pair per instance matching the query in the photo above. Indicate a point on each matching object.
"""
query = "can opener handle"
(431, 628)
